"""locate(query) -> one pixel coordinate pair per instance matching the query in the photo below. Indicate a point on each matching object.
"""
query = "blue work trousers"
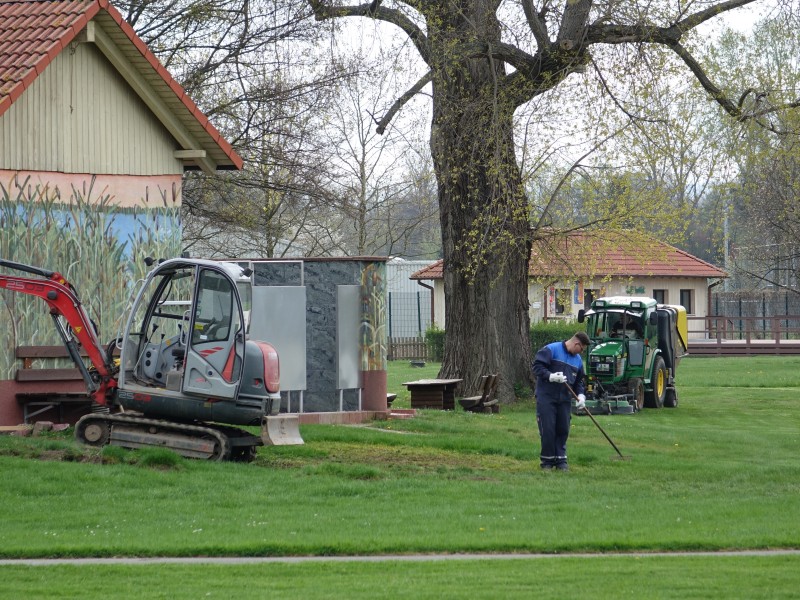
(553, 417)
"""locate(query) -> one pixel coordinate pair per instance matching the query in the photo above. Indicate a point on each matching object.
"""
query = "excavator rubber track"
(200, 440)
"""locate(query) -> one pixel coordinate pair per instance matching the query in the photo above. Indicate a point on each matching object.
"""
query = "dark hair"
(582, 338)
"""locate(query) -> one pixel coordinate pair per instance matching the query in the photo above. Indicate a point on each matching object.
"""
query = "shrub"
(552, 331)
(434, 339)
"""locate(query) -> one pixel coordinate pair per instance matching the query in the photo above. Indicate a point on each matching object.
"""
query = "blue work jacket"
(553, 358)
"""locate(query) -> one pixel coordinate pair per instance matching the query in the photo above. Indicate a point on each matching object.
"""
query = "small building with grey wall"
(326, 317)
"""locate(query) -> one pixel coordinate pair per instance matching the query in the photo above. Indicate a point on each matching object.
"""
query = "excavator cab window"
(214, 312)
(217, 324)
(157, 338)
(186, 333)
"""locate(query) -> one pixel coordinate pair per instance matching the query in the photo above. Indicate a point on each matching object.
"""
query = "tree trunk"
(483, 213)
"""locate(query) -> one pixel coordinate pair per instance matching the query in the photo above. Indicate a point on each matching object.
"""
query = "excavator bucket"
(281, 430)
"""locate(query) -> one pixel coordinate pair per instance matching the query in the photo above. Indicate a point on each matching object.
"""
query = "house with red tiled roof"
(95, 138)
(566, 272)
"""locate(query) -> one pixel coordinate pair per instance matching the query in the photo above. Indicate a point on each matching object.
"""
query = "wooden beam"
(189, 154)
(87, 34)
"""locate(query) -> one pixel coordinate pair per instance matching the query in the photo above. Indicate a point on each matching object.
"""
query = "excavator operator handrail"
(29, 269)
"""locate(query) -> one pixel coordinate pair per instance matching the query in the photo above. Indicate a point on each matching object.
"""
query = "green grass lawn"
(720, 472)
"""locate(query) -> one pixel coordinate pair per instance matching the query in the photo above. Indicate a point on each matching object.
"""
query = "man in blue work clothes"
(557, 364)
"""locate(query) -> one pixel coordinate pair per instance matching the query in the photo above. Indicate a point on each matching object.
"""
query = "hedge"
(544, 333)
(541, 334)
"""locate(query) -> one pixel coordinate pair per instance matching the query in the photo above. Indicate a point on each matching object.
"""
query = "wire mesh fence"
(409, 314)
(759, 311)
(409, 318)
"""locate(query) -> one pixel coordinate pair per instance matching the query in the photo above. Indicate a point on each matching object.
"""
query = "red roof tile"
(617, 254)
(433, 271)
(33, 33)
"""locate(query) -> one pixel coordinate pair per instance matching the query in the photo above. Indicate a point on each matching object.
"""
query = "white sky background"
(552, 125)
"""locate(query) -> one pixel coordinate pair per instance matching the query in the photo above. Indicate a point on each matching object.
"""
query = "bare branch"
(599, 33)
(734, 110)
(323, 12)
(400, 102)
(614, 98)
(572, 169)
(716, 93)
(702, 16)
(536, 21)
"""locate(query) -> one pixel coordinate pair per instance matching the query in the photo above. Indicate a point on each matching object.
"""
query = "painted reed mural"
(96, 245)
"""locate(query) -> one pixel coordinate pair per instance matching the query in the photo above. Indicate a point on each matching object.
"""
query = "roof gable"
(34, 32)
(603, 254)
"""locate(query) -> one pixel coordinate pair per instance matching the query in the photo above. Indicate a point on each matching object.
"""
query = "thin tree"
(374, 175)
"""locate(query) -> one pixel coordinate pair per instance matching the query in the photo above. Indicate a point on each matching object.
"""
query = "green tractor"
(635, 348)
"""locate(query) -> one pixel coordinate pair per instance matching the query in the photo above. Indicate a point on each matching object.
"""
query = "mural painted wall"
(96, 244)
(373, 317)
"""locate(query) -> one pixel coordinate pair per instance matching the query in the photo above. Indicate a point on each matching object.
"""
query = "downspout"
(428, 287)
(716, 283)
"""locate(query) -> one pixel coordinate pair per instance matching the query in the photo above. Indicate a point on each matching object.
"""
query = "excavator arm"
(60, 296)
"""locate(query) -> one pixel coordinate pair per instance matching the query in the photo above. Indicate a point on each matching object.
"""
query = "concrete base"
(343, 418)
(355, 417)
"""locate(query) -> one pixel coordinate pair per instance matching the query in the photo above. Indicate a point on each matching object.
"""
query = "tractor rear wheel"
(655, 398)
(636, 387)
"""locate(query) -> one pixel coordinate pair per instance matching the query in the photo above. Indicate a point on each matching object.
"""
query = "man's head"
(577, 343)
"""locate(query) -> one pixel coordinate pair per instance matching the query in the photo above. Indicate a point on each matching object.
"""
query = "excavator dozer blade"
(281, 430)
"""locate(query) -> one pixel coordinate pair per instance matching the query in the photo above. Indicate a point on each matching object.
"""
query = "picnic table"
(433, 393)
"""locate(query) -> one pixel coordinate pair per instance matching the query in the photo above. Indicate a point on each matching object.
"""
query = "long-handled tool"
(591, 416)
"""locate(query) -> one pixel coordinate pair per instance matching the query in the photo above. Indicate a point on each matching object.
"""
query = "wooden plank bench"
(44, 389)
(486, 401)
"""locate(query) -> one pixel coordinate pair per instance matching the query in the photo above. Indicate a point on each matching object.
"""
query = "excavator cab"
(186, 332)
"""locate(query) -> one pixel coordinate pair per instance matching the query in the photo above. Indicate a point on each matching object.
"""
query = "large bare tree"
(484, 59)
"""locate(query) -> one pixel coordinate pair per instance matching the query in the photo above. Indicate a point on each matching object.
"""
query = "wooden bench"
(44, 389)
(486, 401)
(433, 393)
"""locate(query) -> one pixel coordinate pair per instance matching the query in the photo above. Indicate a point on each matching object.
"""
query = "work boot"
(547, 467)
(562, 467)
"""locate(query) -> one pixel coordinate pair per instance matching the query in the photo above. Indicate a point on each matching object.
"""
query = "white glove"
(581, 404)
(558, 377)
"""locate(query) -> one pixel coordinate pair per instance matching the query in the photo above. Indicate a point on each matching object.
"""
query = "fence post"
(741, 324)
(776, 333)
(786, 312)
